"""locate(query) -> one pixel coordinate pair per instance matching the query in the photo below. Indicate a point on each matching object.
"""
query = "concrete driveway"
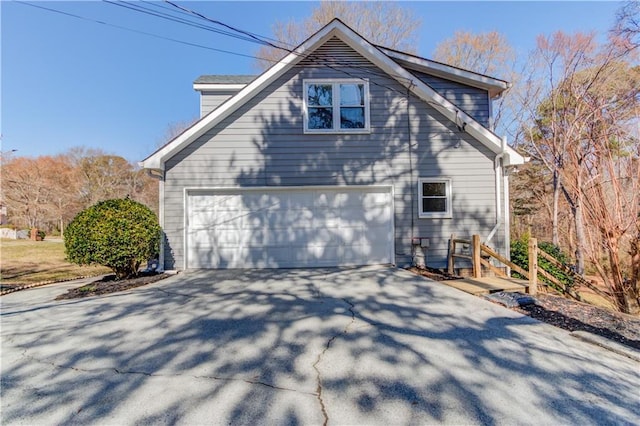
(353, 346)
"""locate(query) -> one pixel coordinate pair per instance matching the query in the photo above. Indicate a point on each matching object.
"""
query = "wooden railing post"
(475, 253)
(533, 266)
(452, 250)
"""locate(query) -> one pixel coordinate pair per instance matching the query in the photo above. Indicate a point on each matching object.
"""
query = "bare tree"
(486, 53)
(491, 54)
(383, 23)
(549, 85)
(627, 26)
(24, 190)
(47, 192)
(583, 107)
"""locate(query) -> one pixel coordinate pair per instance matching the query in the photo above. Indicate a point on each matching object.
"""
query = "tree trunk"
(555, 236)
(634, 280)
(581, 239)
(625, 298)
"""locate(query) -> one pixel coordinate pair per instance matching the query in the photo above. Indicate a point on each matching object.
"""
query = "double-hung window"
(434, 195)
(336, 106)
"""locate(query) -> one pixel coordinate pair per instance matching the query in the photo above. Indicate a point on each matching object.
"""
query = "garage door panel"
(337, 199)
(379, 214)
(270, 228)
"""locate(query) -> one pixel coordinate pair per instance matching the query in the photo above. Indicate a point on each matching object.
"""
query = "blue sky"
(70, 82)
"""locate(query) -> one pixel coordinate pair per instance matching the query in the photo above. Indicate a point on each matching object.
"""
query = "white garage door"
(289, 227)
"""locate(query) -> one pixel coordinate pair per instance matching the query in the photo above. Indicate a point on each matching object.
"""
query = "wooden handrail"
(505, 261)
(576, 277)
(477, 261)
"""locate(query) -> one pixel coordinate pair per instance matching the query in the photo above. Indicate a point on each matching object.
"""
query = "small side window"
(434, 198)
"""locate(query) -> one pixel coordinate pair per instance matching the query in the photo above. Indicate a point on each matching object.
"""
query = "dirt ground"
(109, 284)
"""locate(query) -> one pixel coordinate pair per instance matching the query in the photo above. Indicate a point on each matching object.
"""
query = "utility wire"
(179, 20)
(198, 14)
(260, 40)
(181, 12)
(139, 31)
(251, 37)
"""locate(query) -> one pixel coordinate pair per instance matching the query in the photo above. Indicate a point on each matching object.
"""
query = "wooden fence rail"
(481, 254)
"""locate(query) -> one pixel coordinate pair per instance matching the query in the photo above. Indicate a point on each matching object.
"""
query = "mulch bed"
(569, 314)
(577, 316)
(109, 284)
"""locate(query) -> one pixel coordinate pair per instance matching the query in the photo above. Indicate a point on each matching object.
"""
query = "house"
(342, 153)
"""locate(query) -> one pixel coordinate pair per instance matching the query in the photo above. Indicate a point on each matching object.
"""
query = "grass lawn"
(28, 262)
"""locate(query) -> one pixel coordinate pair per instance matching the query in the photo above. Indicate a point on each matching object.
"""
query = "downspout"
(498, 170)
(507, 219)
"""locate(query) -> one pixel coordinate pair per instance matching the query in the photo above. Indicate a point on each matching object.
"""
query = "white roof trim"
(494, 85)
(369, 51)
(212, 87)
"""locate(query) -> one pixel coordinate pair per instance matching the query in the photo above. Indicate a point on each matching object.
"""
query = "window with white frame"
(336, 106)
(434, 198)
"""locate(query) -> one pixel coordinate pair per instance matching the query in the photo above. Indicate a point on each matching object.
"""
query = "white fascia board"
(366, 49)
(158, 158)
(493, 85)
(426, 93)
(212, 87)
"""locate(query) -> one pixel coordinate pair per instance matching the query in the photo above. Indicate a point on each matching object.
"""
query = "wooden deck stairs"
(488, 285)
(480, 255)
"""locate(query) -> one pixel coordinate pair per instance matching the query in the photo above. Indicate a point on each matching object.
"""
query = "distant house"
(3, 214)
(342, 153)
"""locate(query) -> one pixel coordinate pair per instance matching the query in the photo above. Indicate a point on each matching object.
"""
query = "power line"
(187, 43)
(247, 33)
(176, 19)
(251, 37)
(260, 40)
(181, 12)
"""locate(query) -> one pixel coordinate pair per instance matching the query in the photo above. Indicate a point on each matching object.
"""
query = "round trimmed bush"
(120, 234)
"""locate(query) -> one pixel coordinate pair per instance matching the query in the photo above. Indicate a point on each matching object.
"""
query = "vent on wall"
(335, 53)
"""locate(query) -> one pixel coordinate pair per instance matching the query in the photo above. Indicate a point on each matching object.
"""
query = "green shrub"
(120, 234)
(520, 256)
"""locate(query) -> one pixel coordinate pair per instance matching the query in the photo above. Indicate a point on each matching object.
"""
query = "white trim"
(158, 158)
(493, 85)
(212, 87)
(367, 50)
(161, 223)
(222, 189)
(448, 214)
(185, 231)
(336, 105)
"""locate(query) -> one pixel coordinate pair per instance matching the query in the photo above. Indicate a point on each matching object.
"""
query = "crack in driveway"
(323, 407)
(148, 374)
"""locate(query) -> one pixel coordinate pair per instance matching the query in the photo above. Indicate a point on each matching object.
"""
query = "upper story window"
(434, 197)
(336, 106)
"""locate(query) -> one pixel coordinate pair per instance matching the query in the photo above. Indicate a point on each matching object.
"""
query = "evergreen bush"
(520, 256)
(120, 234)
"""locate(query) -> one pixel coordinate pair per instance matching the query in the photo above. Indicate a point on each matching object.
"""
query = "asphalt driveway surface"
(368, 345)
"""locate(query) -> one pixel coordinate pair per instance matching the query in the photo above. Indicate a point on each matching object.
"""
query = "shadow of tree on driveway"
(369, 345)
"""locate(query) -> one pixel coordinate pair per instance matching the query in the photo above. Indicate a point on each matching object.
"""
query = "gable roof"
(374, 54)
(494, 86)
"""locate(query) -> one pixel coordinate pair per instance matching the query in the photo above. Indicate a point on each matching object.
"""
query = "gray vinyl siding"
(212, 100)
(262, 144)
(471, 100)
